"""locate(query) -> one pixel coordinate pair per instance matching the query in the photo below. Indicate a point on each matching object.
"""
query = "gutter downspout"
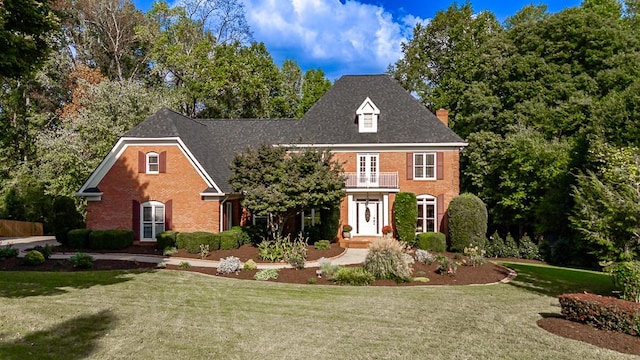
(224, 200)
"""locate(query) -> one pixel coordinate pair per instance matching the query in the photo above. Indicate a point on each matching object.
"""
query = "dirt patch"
(17, 264)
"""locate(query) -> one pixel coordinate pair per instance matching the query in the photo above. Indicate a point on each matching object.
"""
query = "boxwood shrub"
(110, 239)
(166, 239)
(467, 222)
(432, 241)
(191, 241)
(405, 213)
(34, 257)
(602, 312)
(233, 238)
(78, 238)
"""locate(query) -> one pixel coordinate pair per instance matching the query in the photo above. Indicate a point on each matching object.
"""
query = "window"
(261, 220)
(152, 220)
(424, 166)
(310, 218)
(426, 214)
(153, 163)
(368, 117)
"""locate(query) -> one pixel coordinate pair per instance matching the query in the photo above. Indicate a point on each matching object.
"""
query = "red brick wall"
(448, 187)
(181, 184)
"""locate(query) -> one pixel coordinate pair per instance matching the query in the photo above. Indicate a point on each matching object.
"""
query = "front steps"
(358, 242)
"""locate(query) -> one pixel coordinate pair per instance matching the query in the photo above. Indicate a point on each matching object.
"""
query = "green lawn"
(180, 315)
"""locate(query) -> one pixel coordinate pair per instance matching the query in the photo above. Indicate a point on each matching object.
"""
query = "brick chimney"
(443, 115)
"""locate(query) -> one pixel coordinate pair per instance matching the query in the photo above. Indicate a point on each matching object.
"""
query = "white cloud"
(349, 38)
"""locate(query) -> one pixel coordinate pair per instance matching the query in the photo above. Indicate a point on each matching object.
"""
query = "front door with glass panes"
(152, 220)
(368, 215)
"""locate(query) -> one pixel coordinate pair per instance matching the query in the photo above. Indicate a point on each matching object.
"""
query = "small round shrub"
(322, 245)
(432, 241)
(528, 250)
(467, 222)
(34, 257)
(355, 276)
(81, 261)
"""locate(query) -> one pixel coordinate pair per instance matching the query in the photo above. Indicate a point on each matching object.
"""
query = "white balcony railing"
(387, 180)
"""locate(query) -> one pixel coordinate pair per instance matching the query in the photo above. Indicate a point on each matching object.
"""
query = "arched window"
(152, 220)
(153, 163)
(427, 214)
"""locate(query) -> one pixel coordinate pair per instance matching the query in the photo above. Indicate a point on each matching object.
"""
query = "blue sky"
(348, 36)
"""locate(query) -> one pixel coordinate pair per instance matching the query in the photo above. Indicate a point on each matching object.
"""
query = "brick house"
(171, 172)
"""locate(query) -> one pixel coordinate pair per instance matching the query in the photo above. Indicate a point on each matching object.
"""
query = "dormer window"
(368, 117)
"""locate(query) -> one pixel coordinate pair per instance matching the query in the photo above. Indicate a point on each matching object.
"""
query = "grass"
(553, 280)
(170, 314)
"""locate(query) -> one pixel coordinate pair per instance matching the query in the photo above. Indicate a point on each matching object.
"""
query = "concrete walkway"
(349, 257)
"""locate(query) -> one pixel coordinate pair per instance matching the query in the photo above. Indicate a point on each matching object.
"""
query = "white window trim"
(368, 108)
(313, 217)
(425, 166)
(371, 178)
(428, 200)
(147, 162)
(154, 205)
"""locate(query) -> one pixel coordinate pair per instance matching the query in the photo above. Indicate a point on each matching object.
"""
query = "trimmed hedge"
(467, 222)
(78, 238)
(232, 239)
(602, 312)
(191, 241)
(166, 239)
(405, 213)
(432, 241)
(110, 239)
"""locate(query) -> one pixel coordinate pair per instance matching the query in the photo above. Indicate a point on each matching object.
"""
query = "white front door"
(368, 170)
(368, 213)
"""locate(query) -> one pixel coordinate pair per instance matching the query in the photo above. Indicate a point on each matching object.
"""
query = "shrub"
(184, 265)
(254, 233)
(78, 238)
(322, 245)
(527, 249)
(327, 269)
(356, 276)
(330, 219)
(65, 217)
(34, 257)
(266, 274)
(229, 265)
(475, 255)
(511, 249)
(191, 241)
(110, 239)
(312, 281)
(46, 250)
(544, 249)
(169, 251)
(313, 233)
(387, 259)
(405, 213)
(250, 265)
(244, 236)
(626, 275)
(433, 241)
(495, 246)
(296, 254)
(445, 266)
(204, 251)
(602, 312)
(81, 261)
(425, 257)
(8, 252)
(467, 222)
(347, 228)
(166, 239)
(232, 239)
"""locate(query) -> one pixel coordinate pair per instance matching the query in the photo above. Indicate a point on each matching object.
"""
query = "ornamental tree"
(280, 183)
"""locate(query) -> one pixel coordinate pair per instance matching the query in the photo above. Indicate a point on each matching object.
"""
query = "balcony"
(385, 180)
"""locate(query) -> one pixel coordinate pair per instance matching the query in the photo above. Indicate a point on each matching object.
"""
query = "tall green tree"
(314, 85)
(24, 29)
(607, 211)
(281, 184)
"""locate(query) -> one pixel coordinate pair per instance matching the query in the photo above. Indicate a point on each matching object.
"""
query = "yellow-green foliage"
(387, 259)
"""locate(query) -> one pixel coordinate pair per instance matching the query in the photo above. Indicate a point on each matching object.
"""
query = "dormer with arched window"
(368, 114)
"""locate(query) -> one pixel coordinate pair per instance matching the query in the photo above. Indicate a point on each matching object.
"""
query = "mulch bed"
(601, 338)
(465, 275)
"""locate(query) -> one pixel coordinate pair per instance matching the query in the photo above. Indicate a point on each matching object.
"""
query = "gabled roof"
(331, 121)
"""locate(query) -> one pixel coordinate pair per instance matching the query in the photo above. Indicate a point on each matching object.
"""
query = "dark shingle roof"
(332, 120)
